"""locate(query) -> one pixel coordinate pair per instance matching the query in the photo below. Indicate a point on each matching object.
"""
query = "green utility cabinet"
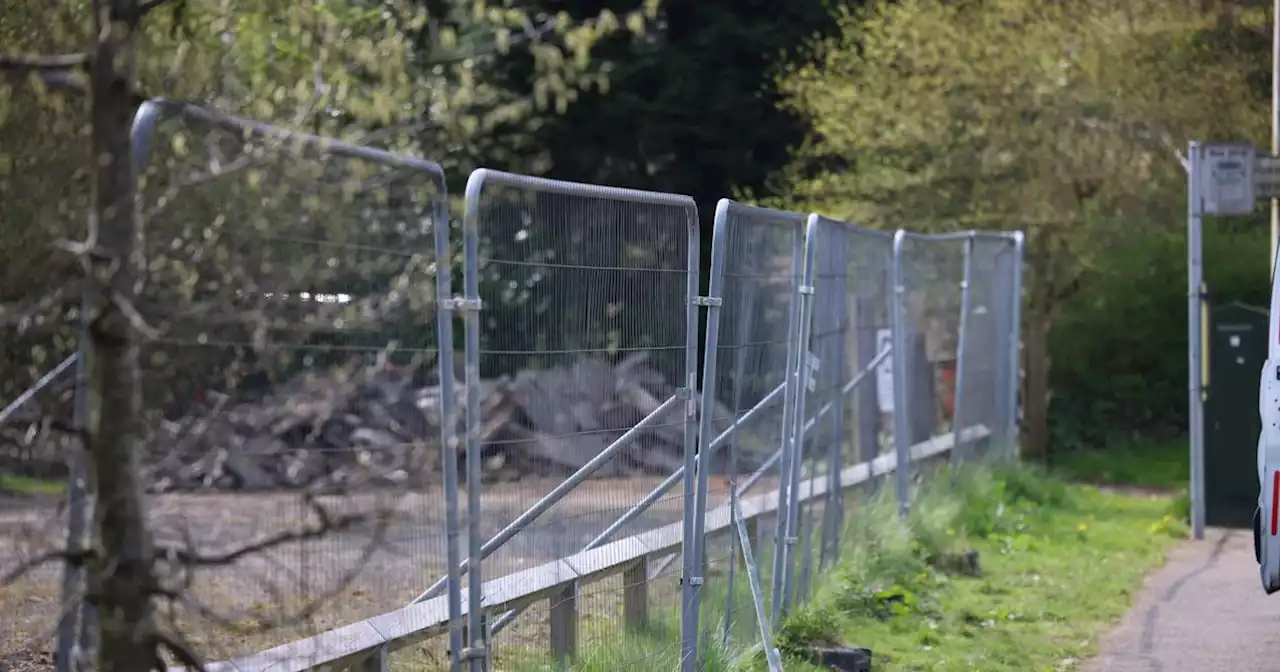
(1236, 348)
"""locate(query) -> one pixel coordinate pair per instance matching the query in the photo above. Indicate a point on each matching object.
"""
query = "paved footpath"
(1203, 611)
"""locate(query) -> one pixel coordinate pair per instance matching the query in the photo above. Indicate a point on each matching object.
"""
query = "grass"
(16, 484)
(1059, 564)
(1151, 464)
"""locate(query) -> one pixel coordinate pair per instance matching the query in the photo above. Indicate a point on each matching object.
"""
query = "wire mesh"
(292, 364)
(843, 417)
(756, 266)
(932, 273)
(290, 376)
(585, 335)
(983, 393)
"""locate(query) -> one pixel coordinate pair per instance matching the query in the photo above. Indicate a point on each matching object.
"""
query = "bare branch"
(179, 648)
(328, 524)
(136, 320)
(27, 63)
(22, 319)
(74, 557)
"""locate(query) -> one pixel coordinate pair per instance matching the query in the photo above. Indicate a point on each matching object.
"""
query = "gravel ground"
(1204, 611)
(362, 576)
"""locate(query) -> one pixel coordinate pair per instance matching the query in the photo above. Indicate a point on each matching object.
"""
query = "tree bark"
(1036, 391)
(121, 579)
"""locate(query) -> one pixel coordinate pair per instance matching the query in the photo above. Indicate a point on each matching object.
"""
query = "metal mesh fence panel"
(955, 312)
(842, 421)
(303, 400)
(747, 396)
(983, 389)
(580, 362)
(290, 374)
(928, 297)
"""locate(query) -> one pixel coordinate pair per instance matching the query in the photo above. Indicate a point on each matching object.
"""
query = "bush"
(1119, 346)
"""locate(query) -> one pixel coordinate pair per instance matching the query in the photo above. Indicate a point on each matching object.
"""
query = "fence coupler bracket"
(461, 304)
(473, 653)
(708, 301)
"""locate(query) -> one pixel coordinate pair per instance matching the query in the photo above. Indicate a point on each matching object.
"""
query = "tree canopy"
(1065, 120)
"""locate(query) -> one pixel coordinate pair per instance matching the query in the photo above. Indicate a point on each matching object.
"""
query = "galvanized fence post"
(961, 340)
(75, 639)
(788, 449)
(695, 483)
(695, 562)
(900, 357)
(446, 307)
(802, 376)
(1015, 347)
(476, 652)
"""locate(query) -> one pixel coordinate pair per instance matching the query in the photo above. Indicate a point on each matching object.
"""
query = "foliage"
(1119, 348)
(1162, 465)
(405, 75)
(1060, 119)
(692, 107)
(1058, 565)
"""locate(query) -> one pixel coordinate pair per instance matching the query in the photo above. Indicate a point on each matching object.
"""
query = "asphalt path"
(1203, 611)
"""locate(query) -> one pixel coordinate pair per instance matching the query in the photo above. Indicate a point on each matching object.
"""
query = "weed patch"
(1055, 565)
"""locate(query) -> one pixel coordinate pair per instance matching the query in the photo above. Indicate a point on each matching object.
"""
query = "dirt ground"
(360, 572)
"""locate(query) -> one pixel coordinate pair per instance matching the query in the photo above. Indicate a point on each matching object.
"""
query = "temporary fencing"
(587, 480)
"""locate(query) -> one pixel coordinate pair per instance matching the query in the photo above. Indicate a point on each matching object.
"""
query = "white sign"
(1227, 187)
(884, 371)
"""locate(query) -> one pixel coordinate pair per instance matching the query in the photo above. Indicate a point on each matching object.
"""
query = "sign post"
(1223, 179)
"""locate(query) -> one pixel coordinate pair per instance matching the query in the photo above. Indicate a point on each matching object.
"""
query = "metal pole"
(1195, 408)
(1015, 347)
(695, 556)
(691, 548)
(39, 385)
(802, 374)
(958, 394)
(901, 419)
(73, 626)
(448, 428)
(786, 437)
(772, 655)
(476, 653)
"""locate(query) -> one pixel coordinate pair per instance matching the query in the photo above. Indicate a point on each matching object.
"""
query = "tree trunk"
(121, 577)
(1036, 389)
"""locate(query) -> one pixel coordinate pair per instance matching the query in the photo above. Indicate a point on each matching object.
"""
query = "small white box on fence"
(884, 371)
(1228, 179)
(811, 371)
